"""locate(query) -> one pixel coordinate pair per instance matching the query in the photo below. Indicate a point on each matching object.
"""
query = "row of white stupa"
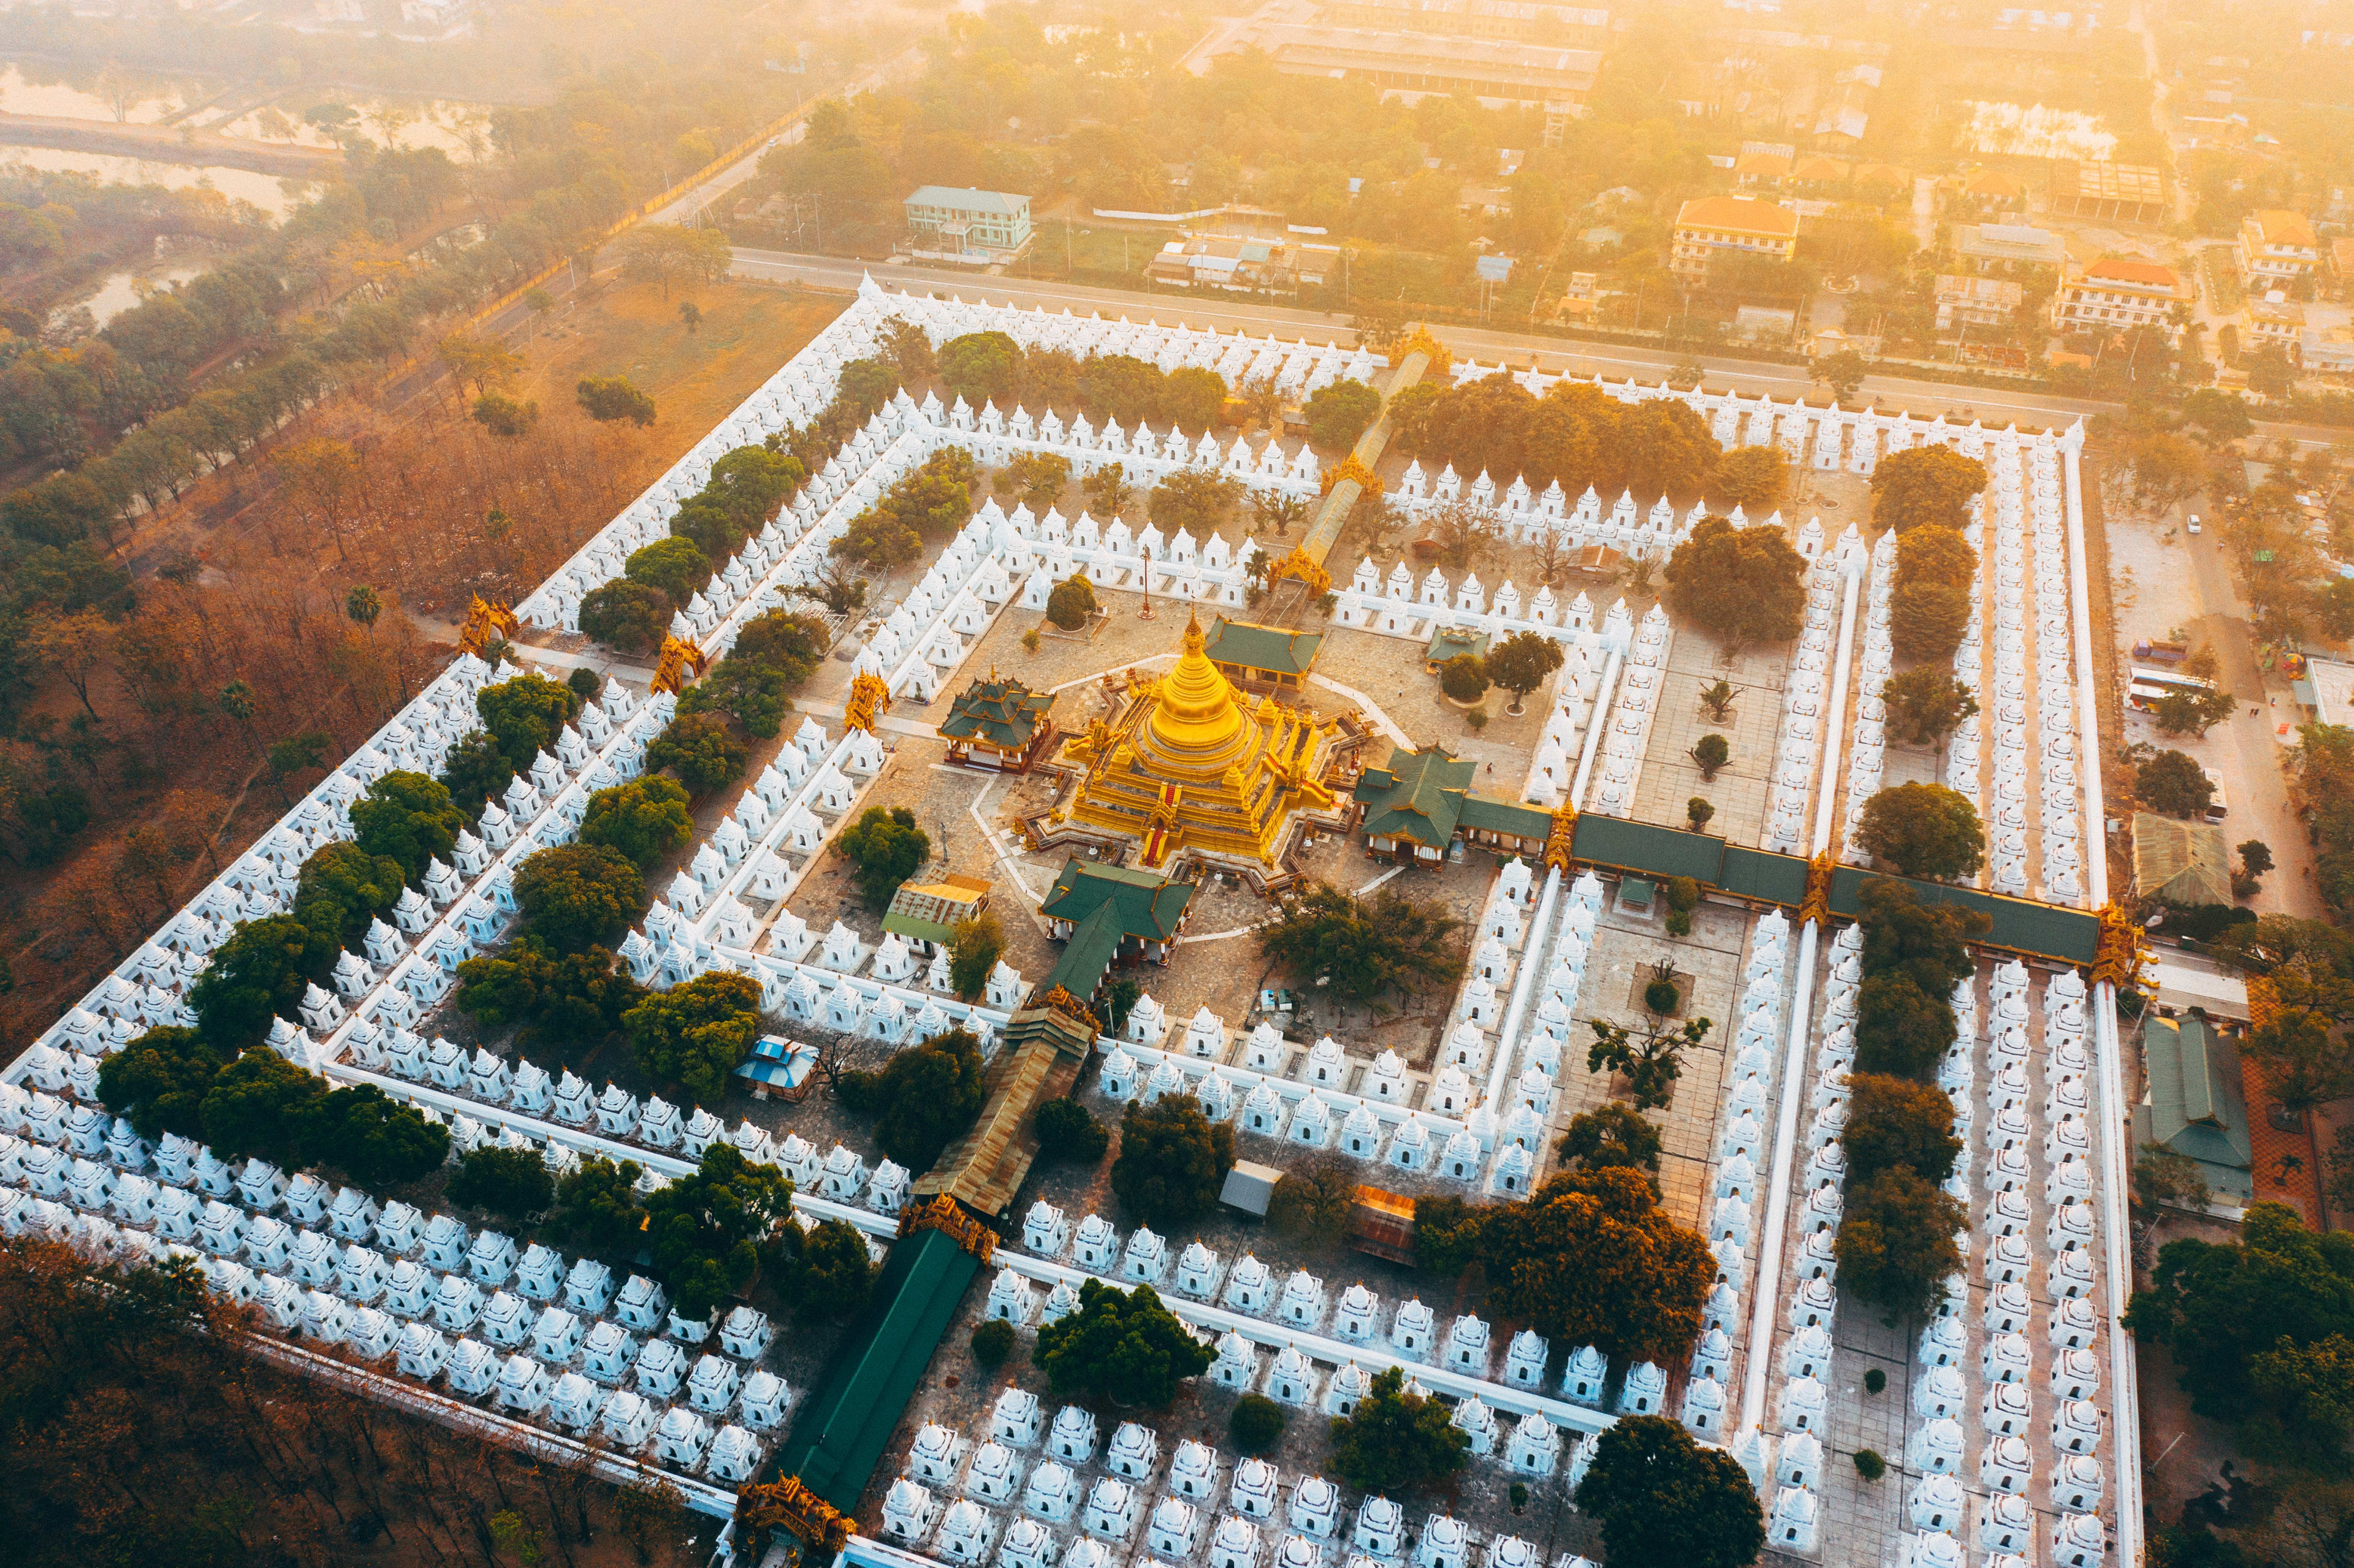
(1610, 793)
(2071, 1325)
(520, 1332)
(1065, 1507)
(1805, 701)
(1867, 752)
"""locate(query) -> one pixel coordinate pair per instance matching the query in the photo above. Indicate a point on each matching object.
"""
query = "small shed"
(2185, 864)
(1249, 1186)
(1448, 641)
(1382, 1223)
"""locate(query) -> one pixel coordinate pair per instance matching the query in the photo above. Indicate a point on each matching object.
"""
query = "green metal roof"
(1416, 795)
(841, 1433)
(1149, 903)
(1094, 944)
(2195, 1105)
(911, 926)
(1763, 876)
(1450, 641)
(1000, 710)
(1257, 647)
(1489, 815)
(1653, 850)
(2020, 925)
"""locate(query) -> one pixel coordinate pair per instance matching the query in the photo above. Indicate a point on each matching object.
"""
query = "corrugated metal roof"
(2192, 1096)
(1261, 647)
(1652, 850)
(1149, 903)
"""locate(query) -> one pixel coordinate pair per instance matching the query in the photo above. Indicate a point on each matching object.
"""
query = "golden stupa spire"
(1197, 708)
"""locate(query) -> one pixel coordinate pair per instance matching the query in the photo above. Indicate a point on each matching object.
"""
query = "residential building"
(1976, 301)
(2327, 352)
(2007, 247)
(927, 912)
(1270, 656)
(2118, 293)
(1577, 26)
(2276, 247)
(999, 723)
(1413, 807)
(1117, 908)
(1215, 262)
(957, 224)
(2272, 322)
(1499, 72)
(1709, 227)
(1987, 193)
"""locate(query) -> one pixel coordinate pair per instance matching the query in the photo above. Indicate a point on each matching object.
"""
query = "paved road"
(1996, 405)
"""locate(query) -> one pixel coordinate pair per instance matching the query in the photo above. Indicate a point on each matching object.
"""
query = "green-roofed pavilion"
(1419, 801)
(2192, 1103)
(1146, 907)
(999, 721)
(1248, 654)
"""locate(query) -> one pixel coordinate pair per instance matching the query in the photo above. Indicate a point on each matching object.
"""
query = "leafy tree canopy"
(632, 617)
(1364, 948)
(575, 893)
(511, 1182)
(1173, 1161)
(835, 1277)
(159, 1082)
(886, 847)
(1339, 413)
(1665, 1501)
(923, 1099)
(1900, 1029)
(262, 970)
(1397, 1441)
(973, 951)
(1895, 1244)
(574, 997)
(1926, 484)
(1521, 662)
(2173, 783)
(1590, 1259)
(1894, 1121)
(675, 565)
(703, 749)
(1193, 499)
(981, 366)
(409, 817)
(1754, 479)
(1611, 1134)
(1125, 1346)
(1924, 704)
(476, 771)
(253, 1106)
(378, 1140)
(1924, 830)
(342, 887)
(645, 819)
(1746, 585)
(704, 1229)
(1071, 601)
(1067, 1131)
(596, 1202)
(1928, 942)
(525, 714)
(606, 398)
(1314, 1201)
(696, 1034)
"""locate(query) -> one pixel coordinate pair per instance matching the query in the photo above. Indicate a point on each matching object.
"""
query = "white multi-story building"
(2117, 292)
(2275, 248)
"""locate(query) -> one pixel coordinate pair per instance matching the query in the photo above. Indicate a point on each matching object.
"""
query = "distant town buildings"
(2116, 294)
(1976, 301)
(1709, 226)
(2272, 322)
(2007, 247)
(1499, 53)
(2125, 193)
(968, 226)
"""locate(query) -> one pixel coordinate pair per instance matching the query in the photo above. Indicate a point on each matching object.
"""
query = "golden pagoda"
(1188, 763)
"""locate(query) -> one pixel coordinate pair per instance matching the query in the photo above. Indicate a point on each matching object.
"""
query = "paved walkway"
(1670, 777)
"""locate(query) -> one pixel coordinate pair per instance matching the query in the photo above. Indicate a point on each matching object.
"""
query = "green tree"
(159, 1081)
(836, 1278)
(376, 1139)
(886, 848)
(1755, 479)
(1521, 662)
(476, 771)
(1591, 1260)
(1926, 484)
(510, 1183)
(1697, 811)
(1256, 1424)
(1611, 1134)
(981, 366)
(573, 998)
(575, 893)
(295, 754)
(1107, 490)
(597, 1204)
(1926, 619)
(1173, 1161)
(1066, 1131)
(923, 1099)
(1901, 1028)
(1842, 372)
(1928, 942)
(1192, 397)
(993, 1341)
(2173, 783)
(2164, 1178)
(1446, 1234)
(1038, 478)
(1195, 500)
(1126, 1347)
(632, 617)
(407, 817)
(1339, 413)
(704, 1229)
(342, 887)
(1314, 1201)
(703, 749)
(1893, 1122)
(1651, 1056)
(677, 566)
(1363, 949)
(1663, 1500)
(2192, 713)
(696, 1034)
(261, 971)
(504, 416)
(1746, 585)
(606, 398)
(1932, 552)
(1895, 1244)
(1397, 1441)
(1924, 830)
(255, 1105)
(645, 819)
(975, 949)
(1464, 678)
(1923, 705)
(1071, 601)
(525, 715)
(1709, 754)
(2304, 1061)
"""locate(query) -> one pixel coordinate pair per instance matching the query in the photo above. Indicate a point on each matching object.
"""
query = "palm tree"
(364, 604)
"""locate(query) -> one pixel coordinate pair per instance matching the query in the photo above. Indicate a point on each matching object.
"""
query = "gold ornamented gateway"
(487, 621)
(942, 1214)
(868, 697)
(764, 1505)
(681, 662)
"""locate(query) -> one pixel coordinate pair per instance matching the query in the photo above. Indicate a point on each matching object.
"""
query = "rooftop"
(1146, 904)
(2275, 225)
(1743, 215)
(1254, 647)
(965, 200)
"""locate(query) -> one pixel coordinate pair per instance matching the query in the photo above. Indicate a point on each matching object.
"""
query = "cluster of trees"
(1895, 1244)
(922, 1099)
(1924, 704)
(1576, 434)
(1925, 485)
(744, 490)
(1364, 949)
(1519, 664)
(1589, 1254)
(1746, 585)
(256, 1102)
(1929, 603)
(2321, 772)
(930, 504)
(1924, 830)
(1173, 1161)
(774, 654)
(2301, 1049)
